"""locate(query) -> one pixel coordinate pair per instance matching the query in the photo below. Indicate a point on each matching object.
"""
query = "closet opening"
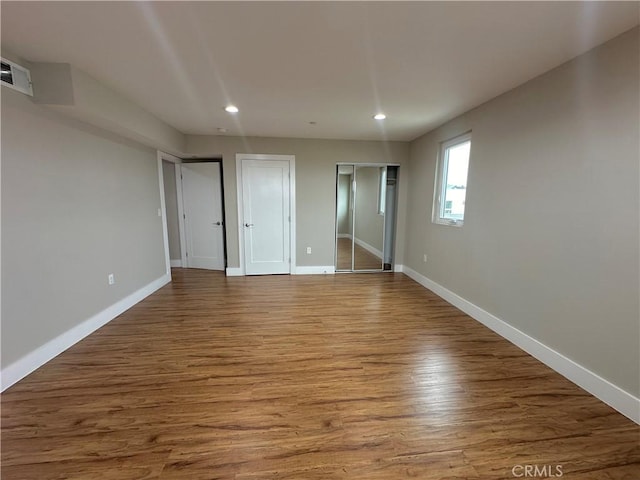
(366, 200)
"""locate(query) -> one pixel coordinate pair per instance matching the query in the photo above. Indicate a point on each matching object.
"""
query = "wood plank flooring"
(364, 260)
(359, 377)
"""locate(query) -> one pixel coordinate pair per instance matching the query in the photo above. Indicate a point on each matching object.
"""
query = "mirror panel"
(368, 225)
(344, 218)
(365, 217)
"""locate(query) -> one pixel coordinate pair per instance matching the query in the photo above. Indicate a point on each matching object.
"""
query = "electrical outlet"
(159, 212)
(111, 278)
(424, 258)
(308, 250)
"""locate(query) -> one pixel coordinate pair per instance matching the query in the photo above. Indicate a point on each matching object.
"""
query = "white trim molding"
(176, 263)
(298, 270)
(612, 395)
(321, 270)
(163, 213)
(292, 205)
(234, 272)
(181, 226)
(41, 355)
(369, 248)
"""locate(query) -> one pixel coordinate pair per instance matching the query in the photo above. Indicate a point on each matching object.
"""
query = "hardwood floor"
(364, 260)
(365, 377)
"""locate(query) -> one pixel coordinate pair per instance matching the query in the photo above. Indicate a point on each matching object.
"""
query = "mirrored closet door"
(365, 217)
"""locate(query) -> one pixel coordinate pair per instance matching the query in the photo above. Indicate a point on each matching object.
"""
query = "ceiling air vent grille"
(16, 77)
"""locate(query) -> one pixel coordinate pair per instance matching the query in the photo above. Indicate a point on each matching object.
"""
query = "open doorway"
(194, 212)
(203, 215)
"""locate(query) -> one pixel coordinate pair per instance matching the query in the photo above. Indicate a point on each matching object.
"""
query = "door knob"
(248, 224)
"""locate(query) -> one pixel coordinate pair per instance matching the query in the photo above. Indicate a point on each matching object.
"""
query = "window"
(382, 190)
(451, 181)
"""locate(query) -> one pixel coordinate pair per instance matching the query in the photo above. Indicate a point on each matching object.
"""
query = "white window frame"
(441, 171)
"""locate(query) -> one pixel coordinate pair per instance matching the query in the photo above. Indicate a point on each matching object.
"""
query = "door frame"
(181, 225)
(181, 213)
(292, 204)
(181, 210)
(177, 161)
(160, 156)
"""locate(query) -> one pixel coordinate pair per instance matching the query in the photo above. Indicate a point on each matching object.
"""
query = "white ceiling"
(290, 63)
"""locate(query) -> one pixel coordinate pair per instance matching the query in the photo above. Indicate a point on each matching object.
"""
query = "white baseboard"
(314, 270)
(612, 395)
(368, 248)
(321, 270)
(344, 235)
(398, 268)
(175, 263)
(41, 355)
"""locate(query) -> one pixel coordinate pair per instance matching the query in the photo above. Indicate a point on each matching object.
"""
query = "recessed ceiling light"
(231, 109)
(379, 116)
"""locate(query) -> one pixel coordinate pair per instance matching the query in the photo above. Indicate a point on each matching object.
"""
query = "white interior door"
(266, 216)
(202, 198)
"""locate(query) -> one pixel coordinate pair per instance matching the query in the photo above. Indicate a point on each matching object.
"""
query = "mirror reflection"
(344, 218)
(365, 217)
(368, 228)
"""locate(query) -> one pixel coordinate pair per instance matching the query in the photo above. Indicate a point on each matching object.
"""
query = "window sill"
(449, 223)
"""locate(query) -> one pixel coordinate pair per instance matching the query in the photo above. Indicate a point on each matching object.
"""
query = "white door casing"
(265, 203)
(202, 199)
(265, 213)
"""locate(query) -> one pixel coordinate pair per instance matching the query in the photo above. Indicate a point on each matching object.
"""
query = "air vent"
(16, 77)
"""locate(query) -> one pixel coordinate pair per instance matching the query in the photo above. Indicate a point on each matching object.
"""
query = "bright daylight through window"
(451, 192)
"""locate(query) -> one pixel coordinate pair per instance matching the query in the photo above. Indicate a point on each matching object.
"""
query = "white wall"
(76, 94)
(550, 242)
(77, 204)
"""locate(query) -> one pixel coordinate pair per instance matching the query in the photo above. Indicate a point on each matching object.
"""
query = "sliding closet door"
(365, 217)
(368, 229)
(344, 218)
